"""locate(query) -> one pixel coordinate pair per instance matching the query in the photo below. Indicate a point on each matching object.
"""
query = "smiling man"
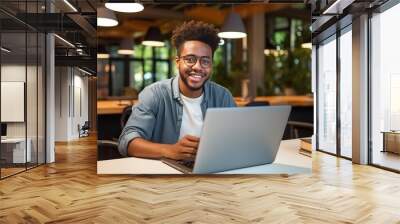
(168, 119)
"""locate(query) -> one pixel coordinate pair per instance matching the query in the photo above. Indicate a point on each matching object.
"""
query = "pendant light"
(127, 7)
(106, 17)
(102, 53)
(233, 27)
(126, 47)
(153, 37)
(306, 45)
(5, 49)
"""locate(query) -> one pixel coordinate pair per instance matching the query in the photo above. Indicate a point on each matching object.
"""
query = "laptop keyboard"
(189, 164)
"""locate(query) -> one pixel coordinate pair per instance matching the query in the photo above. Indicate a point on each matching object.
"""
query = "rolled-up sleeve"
(141, 122)
(229, 101)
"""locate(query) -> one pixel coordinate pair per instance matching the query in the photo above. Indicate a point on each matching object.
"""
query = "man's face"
(194, 64)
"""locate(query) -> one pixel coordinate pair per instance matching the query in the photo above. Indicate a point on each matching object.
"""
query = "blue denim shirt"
(157, 116)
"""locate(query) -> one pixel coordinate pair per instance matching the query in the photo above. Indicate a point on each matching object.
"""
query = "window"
(127, 76)
(346, 92)
(385, 89)
(327, 95)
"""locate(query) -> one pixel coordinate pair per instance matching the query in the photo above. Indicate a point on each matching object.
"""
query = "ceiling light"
(5, 49)
(84, 71)
(80, 51)
(70, 5)
(64, 40)
(106, 17)
(233, 27)
(153, 43)
(153, 37)
(126, 47)
(275, 53)
(103, 56)
(124, 6)
(102, 53)
(306, 45)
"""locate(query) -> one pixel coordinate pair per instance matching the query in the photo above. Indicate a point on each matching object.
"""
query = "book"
(305, 147)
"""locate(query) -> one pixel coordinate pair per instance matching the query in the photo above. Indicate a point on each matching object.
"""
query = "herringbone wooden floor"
(70, 191)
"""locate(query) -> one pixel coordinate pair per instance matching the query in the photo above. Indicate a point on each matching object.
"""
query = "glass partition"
(22, 88)
(15, 149)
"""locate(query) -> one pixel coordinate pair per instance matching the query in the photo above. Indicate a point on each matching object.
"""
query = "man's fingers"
(192, 138)
(190, 150)
(189, 157)
(191, 144)
(184, 156)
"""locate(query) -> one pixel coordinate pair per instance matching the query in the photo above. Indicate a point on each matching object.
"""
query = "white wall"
(61, 103)
(71, 102)
(15, 72)
(33, 127)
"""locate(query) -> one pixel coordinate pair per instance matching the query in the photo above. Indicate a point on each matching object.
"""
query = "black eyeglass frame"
(197, 58)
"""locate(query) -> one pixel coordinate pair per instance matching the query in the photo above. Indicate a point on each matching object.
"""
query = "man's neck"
(188, 92)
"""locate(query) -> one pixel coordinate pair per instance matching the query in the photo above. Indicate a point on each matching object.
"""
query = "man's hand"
(184, 149)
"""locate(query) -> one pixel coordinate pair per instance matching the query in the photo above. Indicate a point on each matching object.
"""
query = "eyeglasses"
(190, 60)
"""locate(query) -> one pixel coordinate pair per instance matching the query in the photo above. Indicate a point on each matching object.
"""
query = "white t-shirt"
(192, 117)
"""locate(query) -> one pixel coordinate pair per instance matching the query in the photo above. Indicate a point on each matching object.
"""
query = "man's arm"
(229, 101)
(136, 135)
(184, 149)
(142, 120)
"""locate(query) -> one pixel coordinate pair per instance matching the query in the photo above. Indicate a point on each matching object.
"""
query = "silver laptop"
(234, 138)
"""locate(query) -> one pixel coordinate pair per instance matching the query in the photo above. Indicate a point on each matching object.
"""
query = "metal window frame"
(338, 29)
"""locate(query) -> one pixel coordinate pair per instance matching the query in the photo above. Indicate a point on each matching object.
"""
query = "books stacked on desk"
(305, 147)
(391, 141)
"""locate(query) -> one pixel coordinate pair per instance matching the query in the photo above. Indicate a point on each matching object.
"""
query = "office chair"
(298, 129)
(84, 130)
(107, 150)
(126, 113)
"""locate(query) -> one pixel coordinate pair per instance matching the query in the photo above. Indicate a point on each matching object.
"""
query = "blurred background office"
(268, 62)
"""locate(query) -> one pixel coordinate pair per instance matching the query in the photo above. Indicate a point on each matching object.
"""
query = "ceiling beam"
(83, 23)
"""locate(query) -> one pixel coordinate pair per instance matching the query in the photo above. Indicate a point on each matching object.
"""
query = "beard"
(185, 75)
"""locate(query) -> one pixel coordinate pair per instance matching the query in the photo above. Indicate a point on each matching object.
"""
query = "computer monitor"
(3, 129)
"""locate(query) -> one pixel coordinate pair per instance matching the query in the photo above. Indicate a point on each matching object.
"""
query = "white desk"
(288, 161)
(18, 150)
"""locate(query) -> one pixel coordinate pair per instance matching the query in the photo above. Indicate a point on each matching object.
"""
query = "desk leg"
(384, 142)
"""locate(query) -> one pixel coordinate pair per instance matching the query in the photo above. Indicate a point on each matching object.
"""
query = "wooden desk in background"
(13, 150)
(117, 106)
(279, 100)
(113, 106)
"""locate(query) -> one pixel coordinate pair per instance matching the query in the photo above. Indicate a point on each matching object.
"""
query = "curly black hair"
(195, 30)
